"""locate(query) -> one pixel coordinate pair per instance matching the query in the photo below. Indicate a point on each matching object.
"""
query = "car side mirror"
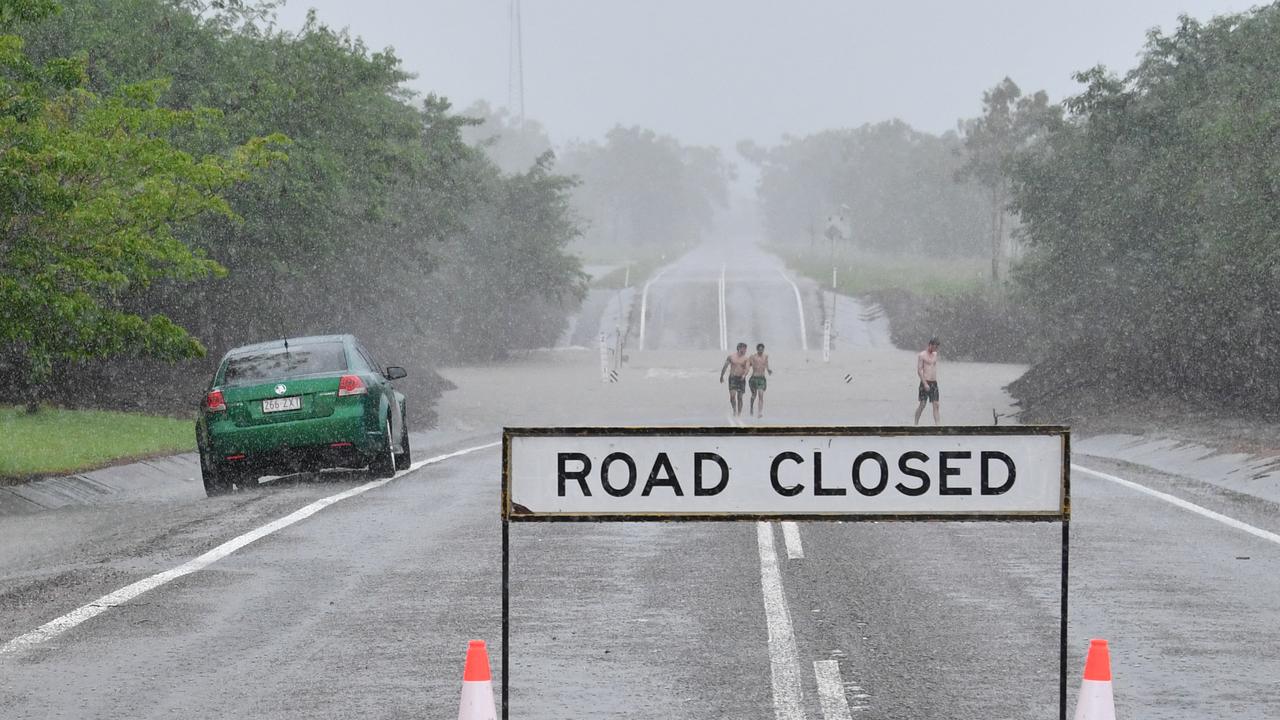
(395, 373)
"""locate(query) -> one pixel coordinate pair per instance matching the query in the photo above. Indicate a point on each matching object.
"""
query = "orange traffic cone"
(477, 685)
(1096, 701)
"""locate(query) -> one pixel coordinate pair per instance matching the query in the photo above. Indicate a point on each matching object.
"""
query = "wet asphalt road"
(364, 609)
(759, 299)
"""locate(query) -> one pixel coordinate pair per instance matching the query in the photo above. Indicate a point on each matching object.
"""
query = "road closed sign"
(786, 472)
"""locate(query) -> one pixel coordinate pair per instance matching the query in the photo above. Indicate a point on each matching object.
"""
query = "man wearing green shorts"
(758, 381)
(738, 369)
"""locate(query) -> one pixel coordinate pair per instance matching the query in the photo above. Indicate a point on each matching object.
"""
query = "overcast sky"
(717, 71)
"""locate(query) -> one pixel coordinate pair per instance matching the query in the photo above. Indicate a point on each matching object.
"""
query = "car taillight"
(351, 385)
(214, 402)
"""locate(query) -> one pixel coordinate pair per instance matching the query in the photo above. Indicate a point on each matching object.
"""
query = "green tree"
(367, 224)
(506, 283)
(896, 183)
(512, 145)
(95, 196)
(1153, 219)
(641, 189)
(1009, 123)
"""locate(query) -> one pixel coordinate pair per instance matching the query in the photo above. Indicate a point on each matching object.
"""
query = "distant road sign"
(905, 473)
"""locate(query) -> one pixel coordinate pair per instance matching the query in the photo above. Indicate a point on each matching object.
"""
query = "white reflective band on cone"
(477, 701)
(1095, 701)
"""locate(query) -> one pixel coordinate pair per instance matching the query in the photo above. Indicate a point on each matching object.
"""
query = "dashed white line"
(56, 627)
(784, 658)
(804, 339)
(791, 534)
(831, 690)
(1179, 502)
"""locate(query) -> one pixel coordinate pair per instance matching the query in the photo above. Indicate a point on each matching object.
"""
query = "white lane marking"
(56, 627)
(644, 302)
(831, 690)
(1179, 502)
(784, 658)
(724, 317)
(804, 339)
(791, 534)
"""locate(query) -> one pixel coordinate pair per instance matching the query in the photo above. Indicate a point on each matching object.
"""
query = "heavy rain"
(336, 337)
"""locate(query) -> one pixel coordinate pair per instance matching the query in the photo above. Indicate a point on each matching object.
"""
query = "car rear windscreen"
(279, 363)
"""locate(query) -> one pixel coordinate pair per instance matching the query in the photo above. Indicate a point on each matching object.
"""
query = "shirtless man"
(927, 371)
(739, 362)
(759, 366)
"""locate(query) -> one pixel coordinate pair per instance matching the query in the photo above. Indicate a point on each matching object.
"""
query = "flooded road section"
(366, 606)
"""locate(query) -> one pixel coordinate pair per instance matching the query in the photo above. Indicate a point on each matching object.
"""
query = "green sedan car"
(300, 405)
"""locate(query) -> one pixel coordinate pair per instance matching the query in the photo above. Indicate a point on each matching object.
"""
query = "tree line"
(1140, 218)
(180, 175)
(889, 188)
(638, 191)
(894, 187)
(1152, 213)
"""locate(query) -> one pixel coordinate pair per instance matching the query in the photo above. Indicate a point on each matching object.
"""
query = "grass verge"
(55, 441)
(641, 268)
(923, 297)
(858, 273)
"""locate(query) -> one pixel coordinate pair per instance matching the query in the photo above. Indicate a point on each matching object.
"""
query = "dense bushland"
(182, 176)
(1152, 213)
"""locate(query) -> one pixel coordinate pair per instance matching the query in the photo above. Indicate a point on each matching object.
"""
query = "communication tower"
(515, 70)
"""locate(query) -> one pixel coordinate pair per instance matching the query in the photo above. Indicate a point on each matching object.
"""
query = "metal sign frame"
(513, 513)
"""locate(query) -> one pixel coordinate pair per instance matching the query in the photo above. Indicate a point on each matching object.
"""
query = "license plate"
(285, 403)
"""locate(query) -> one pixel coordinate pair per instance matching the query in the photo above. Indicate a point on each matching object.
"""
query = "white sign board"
(716, 473)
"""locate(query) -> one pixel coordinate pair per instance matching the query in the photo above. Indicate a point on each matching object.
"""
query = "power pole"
(515, 66)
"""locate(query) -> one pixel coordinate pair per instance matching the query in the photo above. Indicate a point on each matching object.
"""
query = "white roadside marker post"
(826, 341)
(604, 359)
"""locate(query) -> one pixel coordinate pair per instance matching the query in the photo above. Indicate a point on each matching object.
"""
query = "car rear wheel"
(384, 464)
(405, 458)
(215, 483)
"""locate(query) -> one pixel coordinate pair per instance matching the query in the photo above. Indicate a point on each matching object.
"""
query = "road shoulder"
(1227, 466)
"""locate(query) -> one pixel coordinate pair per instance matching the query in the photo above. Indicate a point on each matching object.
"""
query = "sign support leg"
(1062, 642)
(506, 610)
